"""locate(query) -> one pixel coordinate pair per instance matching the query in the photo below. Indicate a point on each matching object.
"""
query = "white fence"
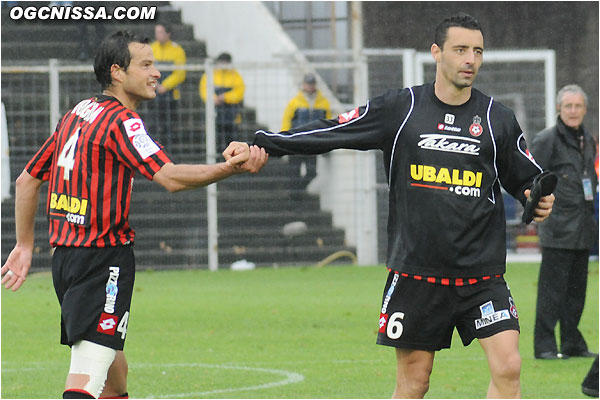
(350, 185)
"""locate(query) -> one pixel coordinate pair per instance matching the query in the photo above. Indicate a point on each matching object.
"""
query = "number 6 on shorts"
(394, 326)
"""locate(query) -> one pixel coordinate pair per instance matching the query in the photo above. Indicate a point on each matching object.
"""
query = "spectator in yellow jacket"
(229, 97)
(166, 105)
(308, 105)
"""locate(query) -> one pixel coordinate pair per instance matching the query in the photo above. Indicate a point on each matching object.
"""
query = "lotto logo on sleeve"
(348, 116)
(107, 324)
(134, 126)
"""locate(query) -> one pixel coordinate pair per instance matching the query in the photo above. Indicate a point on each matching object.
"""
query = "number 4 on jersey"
(66, 159)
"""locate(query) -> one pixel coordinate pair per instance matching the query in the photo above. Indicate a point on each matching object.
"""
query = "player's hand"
(236, 153)
(235, 156)
(15, 270)
(258, 158)
(544, 207)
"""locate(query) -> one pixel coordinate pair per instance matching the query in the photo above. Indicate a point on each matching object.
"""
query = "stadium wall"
(232, 27)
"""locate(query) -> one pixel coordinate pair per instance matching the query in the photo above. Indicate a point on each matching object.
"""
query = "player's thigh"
(414, 362)
(502, 348)
(487, 308)
(415, 314)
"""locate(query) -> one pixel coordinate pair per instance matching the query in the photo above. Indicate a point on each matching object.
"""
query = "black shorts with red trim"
(417, 314)
(94, 288)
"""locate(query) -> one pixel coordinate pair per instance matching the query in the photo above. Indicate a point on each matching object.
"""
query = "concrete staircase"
(171, 229)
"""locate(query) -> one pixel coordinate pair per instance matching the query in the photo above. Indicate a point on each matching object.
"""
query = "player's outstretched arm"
(241, 159)
(15, 270)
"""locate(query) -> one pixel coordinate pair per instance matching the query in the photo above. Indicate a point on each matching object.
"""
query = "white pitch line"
(290, 377)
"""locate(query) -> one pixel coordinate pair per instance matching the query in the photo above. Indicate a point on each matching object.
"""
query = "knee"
(509, 369)
(414, 383)
(420, 385)
(414, 389)
(91, 362)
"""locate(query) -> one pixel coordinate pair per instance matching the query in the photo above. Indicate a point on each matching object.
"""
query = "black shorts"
(421, 315)
(94, 288)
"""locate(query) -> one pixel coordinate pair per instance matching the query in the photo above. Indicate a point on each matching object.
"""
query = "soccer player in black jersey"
(447, 148)
(90, 161)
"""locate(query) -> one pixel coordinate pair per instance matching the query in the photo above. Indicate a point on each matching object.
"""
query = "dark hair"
(114, 50)
(461, 20)
(310, 79)
(168, 28)
(224, 57)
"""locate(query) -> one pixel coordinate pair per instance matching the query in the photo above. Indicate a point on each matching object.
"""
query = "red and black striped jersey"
(90, 161)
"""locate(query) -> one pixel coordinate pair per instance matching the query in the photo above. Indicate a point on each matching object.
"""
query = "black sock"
(77, 394)
(121, 396)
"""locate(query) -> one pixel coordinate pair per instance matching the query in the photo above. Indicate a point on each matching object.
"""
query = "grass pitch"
(286, 333)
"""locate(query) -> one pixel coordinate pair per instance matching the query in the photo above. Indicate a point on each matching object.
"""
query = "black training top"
(444, 166)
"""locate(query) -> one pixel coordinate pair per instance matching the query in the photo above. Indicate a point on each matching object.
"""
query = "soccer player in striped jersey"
(89, 162)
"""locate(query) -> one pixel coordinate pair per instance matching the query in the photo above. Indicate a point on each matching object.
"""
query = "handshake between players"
(244, 158)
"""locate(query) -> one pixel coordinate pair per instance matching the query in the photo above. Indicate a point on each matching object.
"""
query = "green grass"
(286, 333)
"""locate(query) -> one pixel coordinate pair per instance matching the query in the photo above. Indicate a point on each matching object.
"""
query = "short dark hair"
(114, 49)
(224, 57)
(168, 27)
(461, 20)
(310, 79)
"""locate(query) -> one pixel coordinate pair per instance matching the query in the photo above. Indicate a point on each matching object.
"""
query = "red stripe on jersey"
(109, 209)
(39, 165)
(458, 282)
(418, 277)
(445, 281)
(485, 278)
(119, 207)
(63, 232)
(431, 279)
(94, 194)
(84, 188)
(472, 281)
(53, 230)
(126, 213)
(164, 158)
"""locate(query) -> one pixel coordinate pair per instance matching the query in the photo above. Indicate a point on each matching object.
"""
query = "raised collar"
(570, 135)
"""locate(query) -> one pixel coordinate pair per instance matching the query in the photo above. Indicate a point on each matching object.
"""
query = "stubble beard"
(463, 83)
